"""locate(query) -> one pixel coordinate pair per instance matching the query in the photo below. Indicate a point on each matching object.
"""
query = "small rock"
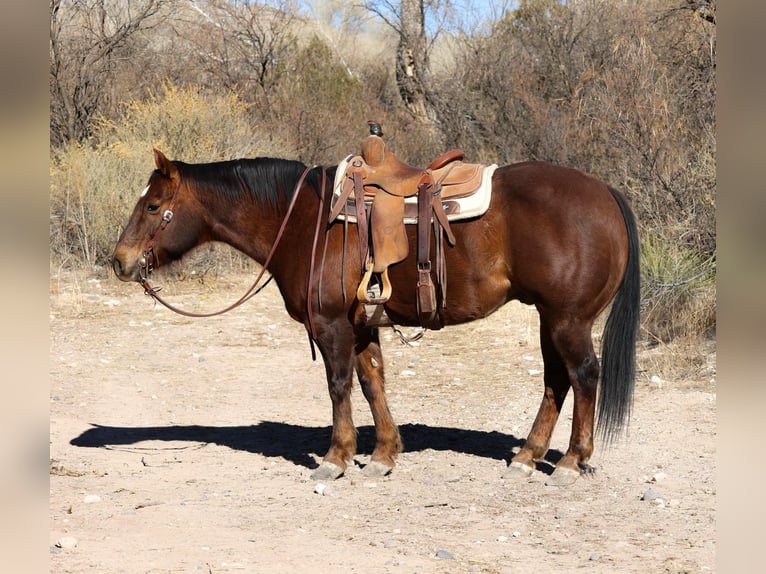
(323, 489)
(66, 542)
(516, 533)
(594, 557)
(407, 373)
(444, 554)
(502, 538)
(91, 498)
(650, 495)
(659, 477)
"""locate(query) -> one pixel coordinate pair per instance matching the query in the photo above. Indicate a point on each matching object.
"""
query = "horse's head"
(163, 225)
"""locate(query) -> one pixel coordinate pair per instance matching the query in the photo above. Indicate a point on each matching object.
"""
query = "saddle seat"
(394, 176)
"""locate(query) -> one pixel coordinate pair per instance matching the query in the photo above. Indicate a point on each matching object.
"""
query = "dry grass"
(689, 361)
(94, 188)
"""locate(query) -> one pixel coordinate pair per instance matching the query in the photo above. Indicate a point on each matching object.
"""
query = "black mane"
(266, 180)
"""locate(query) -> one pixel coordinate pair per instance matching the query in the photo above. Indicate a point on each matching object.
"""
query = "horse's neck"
(252, 225)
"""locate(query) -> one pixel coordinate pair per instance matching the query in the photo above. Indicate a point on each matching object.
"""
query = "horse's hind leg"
(369, 368)
(556, 388)
(569, 362)
(576, 346)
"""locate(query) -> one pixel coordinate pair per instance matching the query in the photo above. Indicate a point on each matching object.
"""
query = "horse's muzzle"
(125, 272)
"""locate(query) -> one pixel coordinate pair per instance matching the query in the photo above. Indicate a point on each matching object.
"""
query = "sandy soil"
(186, 445)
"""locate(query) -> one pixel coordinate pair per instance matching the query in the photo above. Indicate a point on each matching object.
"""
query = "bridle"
(146, 265)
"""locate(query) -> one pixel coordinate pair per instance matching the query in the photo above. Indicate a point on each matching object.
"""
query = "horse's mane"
(266, 180)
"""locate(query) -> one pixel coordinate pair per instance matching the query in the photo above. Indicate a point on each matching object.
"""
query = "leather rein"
(146, 267)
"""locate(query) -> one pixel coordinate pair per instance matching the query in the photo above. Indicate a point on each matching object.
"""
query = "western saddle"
(373, 187)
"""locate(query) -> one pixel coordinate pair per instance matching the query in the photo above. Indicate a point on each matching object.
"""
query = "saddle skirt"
(466, 191)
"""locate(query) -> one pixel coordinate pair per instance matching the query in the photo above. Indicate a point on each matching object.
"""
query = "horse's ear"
(163, 164)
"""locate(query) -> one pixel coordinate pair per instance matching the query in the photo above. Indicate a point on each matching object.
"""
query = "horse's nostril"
(117, 266)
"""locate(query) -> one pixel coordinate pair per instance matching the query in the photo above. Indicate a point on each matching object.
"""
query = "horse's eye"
(152, 208)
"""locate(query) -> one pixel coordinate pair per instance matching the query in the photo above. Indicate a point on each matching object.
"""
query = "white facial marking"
(146, 190)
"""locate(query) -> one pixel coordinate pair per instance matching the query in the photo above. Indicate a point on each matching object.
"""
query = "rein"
(167, 217)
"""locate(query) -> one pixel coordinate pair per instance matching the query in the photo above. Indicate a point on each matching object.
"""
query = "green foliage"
(322, 108)
(678, 290)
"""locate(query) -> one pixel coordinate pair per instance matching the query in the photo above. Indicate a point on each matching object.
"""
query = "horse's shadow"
(296, 443)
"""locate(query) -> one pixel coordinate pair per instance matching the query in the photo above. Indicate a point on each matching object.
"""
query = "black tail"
(618, 342)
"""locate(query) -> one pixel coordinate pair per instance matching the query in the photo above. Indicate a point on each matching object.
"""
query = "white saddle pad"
(471, 206)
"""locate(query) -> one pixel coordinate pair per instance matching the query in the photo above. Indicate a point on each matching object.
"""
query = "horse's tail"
(618, 342)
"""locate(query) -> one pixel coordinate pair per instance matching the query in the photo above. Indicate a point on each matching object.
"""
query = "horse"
(553, 237)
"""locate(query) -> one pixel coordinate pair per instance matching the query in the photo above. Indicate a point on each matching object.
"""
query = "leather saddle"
(381, 193)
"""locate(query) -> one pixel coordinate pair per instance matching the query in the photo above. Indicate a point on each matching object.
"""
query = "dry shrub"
(94, 186)
(189, 124)
(92, 192)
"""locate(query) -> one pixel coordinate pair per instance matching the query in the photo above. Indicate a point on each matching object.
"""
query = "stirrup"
(373, 294)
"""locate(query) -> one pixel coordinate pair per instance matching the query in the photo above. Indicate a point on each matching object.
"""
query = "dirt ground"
(186, 445)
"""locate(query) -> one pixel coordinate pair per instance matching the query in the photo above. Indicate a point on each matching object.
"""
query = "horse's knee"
(339, 386)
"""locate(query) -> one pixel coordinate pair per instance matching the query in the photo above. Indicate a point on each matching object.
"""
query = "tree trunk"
(412, 60)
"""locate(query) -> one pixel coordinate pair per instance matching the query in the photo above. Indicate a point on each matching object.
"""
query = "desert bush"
(678, 290)
(95, 185)
(319, 106)
(189, 124)
(92, 190)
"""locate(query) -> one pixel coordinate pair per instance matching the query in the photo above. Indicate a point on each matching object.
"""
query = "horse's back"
(553, 237)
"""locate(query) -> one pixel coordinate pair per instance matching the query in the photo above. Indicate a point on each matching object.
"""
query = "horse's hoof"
(327, 471)
(562, 476)
(518, 470)
(376, 469)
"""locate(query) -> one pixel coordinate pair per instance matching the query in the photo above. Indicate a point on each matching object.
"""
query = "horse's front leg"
(369, 368)
(336, 343)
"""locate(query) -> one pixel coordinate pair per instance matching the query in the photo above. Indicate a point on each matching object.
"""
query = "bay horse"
(553, 237)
